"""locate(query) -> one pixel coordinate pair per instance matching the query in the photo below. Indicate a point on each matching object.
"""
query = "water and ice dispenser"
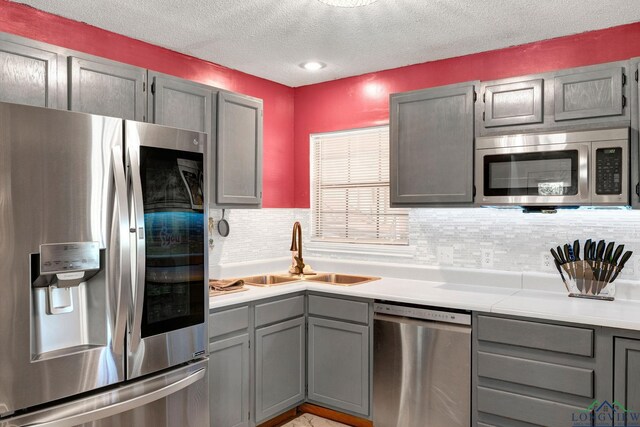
(69, 298)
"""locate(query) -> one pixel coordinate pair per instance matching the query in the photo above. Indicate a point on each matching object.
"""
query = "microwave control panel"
(609, 170)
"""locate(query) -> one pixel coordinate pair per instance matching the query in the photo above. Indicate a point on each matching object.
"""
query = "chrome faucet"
(296, 245)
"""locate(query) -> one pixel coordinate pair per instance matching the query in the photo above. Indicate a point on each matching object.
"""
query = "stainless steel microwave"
(580, 168)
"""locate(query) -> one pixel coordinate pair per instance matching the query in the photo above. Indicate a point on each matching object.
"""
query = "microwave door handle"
(583, 173)
(120, 234)
(140, 256)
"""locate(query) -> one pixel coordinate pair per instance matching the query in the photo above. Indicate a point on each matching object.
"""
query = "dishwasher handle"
(442, 326)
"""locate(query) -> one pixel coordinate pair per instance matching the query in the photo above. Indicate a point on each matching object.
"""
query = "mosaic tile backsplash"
(496, 239)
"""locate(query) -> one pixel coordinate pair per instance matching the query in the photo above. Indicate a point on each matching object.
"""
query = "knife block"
(590, 279)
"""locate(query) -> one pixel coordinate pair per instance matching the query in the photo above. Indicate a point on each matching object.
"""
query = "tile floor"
(309, 420)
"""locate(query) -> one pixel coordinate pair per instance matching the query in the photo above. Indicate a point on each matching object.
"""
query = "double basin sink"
(328, 278)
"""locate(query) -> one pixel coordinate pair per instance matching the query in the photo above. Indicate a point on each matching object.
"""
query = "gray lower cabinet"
(108, 88)
(229, 381)
(239, 150)
(338, 372)
(29, 73)
(280, 367)
(536, 373)
(635, 133)
(627, 374)
(431, 146)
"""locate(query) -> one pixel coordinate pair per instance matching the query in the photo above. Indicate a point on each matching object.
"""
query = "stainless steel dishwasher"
(421, 367)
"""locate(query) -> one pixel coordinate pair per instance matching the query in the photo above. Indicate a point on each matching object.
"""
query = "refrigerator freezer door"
(167, 190)
(59, 186)
(176, 398)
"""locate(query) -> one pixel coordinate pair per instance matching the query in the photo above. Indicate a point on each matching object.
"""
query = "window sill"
(396, 251)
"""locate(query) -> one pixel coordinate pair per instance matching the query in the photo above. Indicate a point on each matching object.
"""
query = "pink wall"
(341, 104)
(364, 100)
(278, 99)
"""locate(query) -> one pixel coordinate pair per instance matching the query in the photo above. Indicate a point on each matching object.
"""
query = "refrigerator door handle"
(123, 256)
(140, 256)
(95, 414)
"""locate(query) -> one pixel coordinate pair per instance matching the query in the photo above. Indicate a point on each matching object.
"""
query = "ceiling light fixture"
(313, 65)
(347, 3)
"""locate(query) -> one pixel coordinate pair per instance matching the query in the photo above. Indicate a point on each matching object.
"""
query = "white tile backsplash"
(492, 239)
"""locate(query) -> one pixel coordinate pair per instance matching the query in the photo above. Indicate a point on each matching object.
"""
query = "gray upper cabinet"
(107, 88)
(239, 150)
(29, 74)
(338, 372)
(515, 103)
(280, 368)
(626, 381)
(180, 103)
(588, 93)
(229, 382)
(431, 151)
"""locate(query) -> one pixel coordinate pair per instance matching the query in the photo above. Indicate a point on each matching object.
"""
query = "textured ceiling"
(269, 38)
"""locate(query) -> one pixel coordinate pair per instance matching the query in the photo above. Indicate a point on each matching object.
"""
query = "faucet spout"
(296, 245)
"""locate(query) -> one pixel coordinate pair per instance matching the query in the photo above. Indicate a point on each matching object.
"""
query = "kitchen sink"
(268, 280)
(341, 279)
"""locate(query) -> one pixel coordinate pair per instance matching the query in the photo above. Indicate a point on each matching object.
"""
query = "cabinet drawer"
(225, 322)
(560, 339)
(550, 376)
(276, 311)
(352, 311)
(524, 408)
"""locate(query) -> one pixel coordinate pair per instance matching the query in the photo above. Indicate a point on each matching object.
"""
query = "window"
(350, 189)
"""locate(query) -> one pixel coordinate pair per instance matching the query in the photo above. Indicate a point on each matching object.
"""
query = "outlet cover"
(546, 261)
(486, 256)
(445, 255)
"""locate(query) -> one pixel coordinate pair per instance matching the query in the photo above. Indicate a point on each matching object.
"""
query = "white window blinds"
(350, 189)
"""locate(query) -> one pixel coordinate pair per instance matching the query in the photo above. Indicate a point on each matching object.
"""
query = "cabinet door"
(229, 382)
(626, 374)
(180, 103)
(280, 368)
(28, 75)
(635, 135)
(515, 103)
(431, 150)
(239, 150)
(107, 88)
(338, 373)
(589, 93)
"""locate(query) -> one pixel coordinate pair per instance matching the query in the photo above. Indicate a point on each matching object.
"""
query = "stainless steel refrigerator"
(103, 272)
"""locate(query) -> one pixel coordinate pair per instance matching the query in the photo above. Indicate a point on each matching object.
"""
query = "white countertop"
(464, 297)
(531, 295)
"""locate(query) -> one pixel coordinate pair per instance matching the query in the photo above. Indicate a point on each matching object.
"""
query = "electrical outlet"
(546, 261)
(486, 258)
(445, 255)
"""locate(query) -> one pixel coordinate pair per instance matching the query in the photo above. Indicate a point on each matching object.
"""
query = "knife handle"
(567, 252)
(624, 259)
(616, 255)
(608, 252)
(576, 250)
(560, 254)
(600, 250)
(587, 249)
(556, 258)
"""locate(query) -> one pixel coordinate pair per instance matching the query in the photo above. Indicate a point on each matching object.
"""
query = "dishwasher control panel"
(422, 313)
